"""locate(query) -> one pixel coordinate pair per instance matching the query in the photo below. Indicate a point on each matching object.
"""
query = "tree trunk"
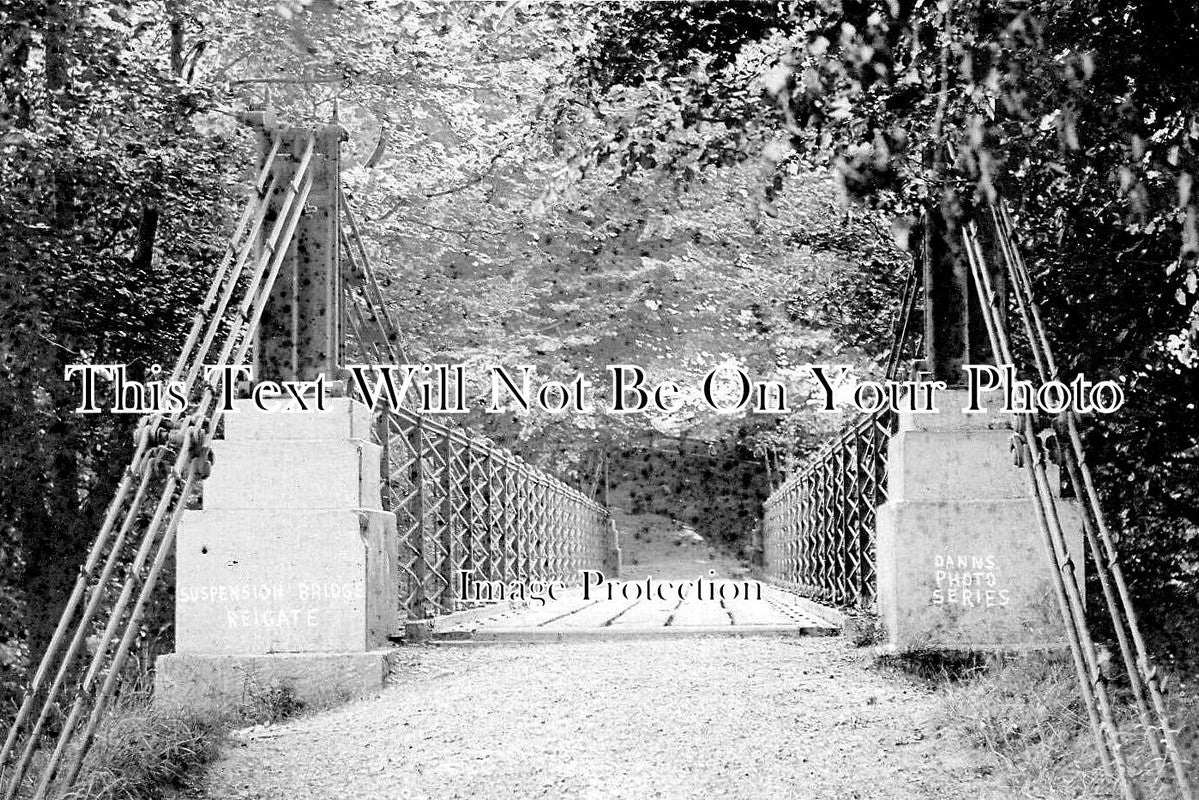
(175, 24)
(59, 38)
(55, 546)
(147, 230)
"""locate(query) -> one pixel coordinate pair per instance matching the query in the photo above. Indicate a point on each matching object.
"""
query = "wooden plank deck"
(777, 613)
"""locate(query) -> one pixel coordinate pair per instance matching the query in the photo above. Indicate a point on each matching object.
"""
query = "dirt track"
(739, 718)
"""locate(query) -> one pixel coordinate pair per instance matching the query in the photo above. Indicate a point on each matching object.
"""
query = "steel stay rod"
(988, 304)
(265, 176)
(97, 595)
(133, 576)
(206, 401)
(269, 247)
(1080, 473)
(183, 462)
(206, 427)
(217, 312)
(82, 581)
(132, 628)
(1066, 580)
(138, 464)
(1048, 371)
(390, 326)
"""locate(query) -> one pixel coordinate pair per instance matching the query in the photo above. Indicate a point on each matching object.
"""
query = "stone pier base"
(961, 559)
(224, 682)
(287, 575)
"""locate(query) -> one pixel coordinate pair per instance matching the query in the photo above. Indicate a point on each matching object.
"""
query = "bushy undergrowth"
(1027, 712)
(147, 751)
(268, 703)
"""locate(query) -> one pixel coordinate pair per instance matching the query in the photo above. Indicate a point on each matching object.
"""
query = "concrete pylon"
(300, 335)
(287, 574)
(960, 555)
(961, 564)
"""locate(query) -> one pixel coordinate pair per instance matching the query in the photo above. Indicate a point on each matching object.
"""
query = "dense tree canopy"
(122, 168)
(111, 206)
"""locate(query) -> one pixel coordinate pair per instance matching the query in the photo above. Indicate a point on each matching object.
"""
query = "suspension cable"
(1064, 578)
(1141, 672)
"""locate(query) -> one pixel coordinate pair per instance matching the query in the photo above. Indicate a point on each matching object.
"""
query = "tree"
(112, 210)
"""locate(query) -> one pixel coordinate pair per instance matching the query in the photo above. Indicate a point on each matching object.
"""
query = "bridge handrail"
(440, 481)
(818, 531)
(116, 585)
(813, 462)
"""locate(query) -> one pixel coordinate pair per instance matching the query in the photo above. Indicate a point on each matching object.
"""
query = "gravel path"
(734, 718)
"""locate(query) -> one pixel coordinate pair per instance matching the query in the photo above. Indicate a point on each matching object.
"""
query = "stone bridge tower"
(960, 559)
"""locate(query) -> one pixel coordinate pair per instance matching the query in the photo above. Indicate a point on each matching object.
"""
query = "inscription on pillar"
(970, 580)
(289, 604)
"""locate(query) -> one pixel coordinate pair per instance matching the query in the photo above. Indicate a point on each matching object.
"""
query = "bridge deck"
(777, 613)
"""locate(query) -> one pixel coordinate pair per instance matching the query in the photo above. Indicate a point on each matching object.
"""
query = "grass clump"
(1027, 712)
(268, 703)
(148, 751)
(937, 666)
(864, 630)
(144, 751)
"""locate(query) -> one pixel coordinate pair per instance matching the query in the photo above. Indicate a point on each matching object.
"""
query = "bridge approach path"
(735, 717)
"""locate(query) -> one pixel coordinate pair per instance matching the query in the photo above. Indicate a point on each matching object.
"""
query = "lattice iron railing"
(465, 507)
(819, 526)
(462, 504)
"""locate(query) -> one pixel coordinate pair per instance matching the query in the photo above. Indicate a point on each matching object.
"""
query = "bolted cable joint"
(180, 436)
(202, 461)
(161, 465)
(1051, 445)
(158, 429)
(1017, 448)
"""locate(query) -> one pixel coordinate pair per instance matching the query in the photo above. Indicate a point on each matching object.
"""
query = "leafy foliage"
(496, 249)
(112, 208)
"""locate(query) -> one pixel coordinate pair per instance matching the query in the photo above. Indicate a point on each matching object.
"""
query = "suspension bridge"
(304, 546)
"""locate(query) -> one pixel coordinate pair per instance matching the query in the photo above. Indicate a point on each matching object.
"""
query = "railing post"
(540, 544)
(546, 543)
(553, 532)
(507, 515)
(469, 510)
(537, 541)
(492, 517)
(448, 539)
(570, 563)
(418, 598)
(612, 560)
(811, 510)
(843, 519)
(523, 534)
(383, 434)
